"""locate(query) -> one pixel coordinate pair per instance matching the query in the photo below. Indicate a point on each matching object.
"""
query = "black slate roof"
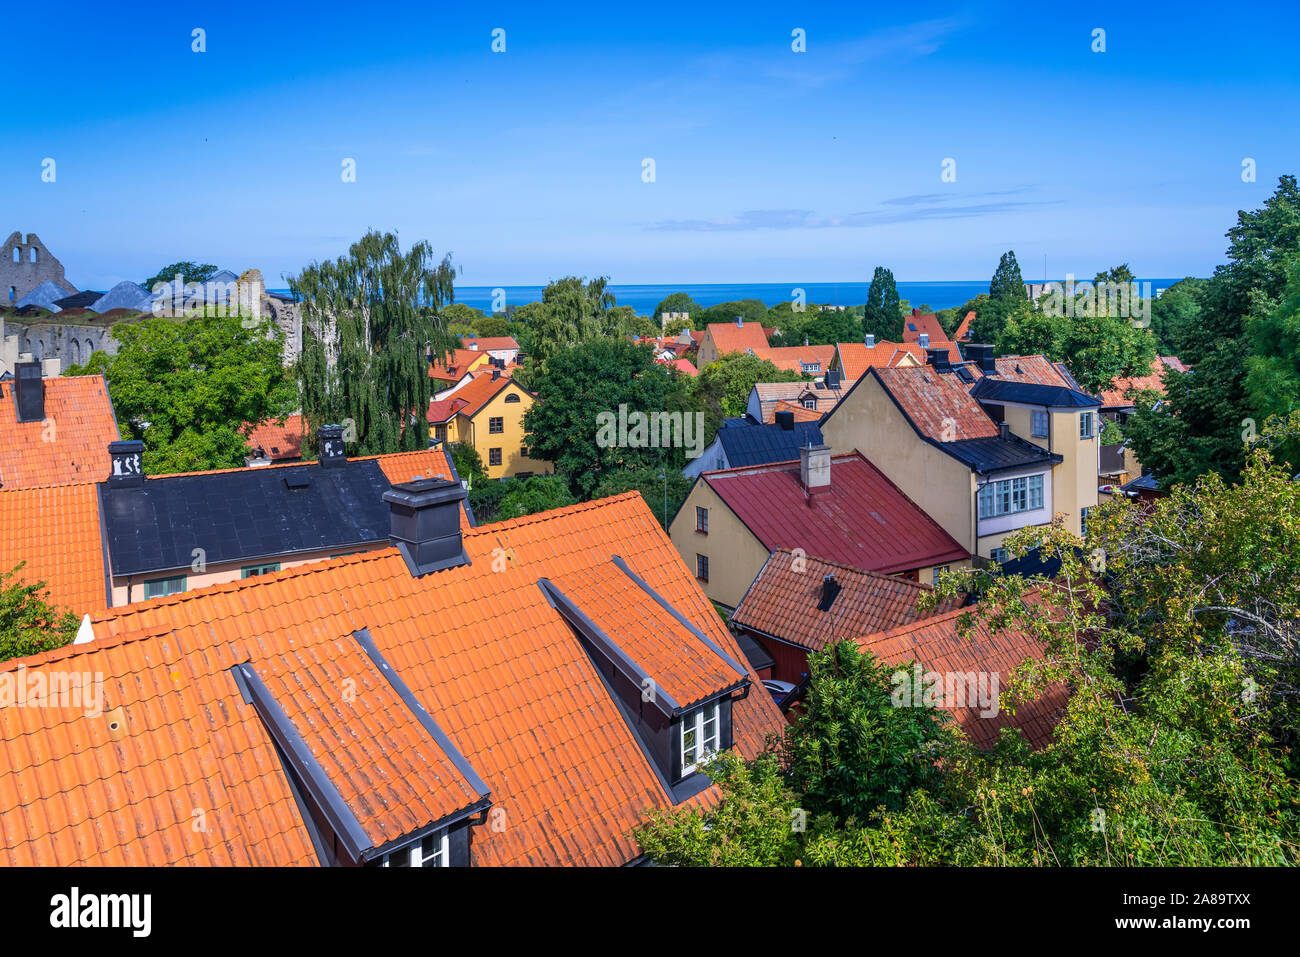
(747, 445)
(996, 454)
(241, 515)
(992, 389)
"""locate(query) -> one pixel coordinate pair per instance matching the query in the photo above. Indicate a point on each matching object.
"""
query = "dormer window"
(430, 851)
(809, 403)
(701, 736)
(811, 368)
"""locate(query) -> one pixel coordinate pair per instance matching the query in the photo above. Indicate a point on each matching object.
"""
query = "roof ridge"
(74, 649)
(861, 571)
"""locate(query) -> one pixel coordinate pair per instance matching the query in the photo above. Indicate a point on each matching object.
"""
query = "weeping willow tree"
(369, 321)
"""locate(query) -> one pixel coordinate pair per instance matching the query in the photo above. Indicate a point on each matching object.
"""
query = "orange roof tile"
(468, 398)
(856, 357)
(459, 362)
(783, 600)
(275, 439)
(1036, 369)
(800, 413)
(927, 323)
(70, 445)
(481, 648)
(939, 404)
(1118, 395)
(489, 343)
(939, 647)
(792, 358)
(55, 530)
(729, 337)
(962, 332)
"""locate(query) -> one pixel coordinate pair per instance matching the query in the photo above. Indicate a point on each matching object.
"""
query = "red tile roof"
(70, 445)
(783, 601)
(498, 669)
(928, 323)
(729, 337)
(800, 413)
(468, 399)
(862, 519)
(685, 366)
(277, 440)
(489, 343)
(939, 404)
(856, 358)
(459, 362)
(938, 646)
(1037, 369)
(1117, 396)
(962, 333)
(792, 358)
(55, 530)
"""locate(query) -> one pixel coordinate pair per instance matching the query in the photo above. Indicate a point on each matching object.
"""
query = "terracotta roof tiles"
(729, 337)
(856, 357)
(1118, 395)
(69, 445)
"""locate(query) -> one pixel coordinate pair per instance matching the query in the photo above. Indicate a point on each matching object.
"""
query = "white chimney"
(815, 468)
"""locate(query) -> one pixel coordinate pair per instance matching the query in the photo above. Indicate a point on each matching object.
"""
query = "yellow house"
(486, 410)
(833, 507)
(986, 447)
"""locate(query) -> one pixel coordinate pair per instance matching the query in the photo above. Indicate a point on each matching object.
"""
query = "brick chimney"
(815, 468)
(127, 464)
(333, 453)
(424, 517)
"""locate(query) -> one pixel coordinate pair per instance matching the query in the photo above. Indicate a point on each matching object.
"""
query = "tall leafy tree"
(188, 386)
(882, 316)
(572, 311)
(1007, 282)
(581, 383)
(677, 302)
(368, 319)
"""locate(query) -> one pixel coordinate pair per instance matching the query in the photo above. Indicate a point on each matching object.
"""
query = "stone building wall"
(25, 265)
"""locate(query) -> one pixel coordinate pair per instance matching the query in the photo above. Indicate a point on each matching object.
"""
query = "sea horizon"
(944, 294)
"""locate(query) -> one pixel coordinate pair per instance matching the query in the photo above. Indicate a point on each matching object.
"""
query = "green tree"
(1201, 424)
(29, 624)
(751, 310)
(677, 302)
(539, 493)
(188, 271)
(469, 464)
(663, 490)
(722, 388)
(1273, 370)
(882, 316)
(1007, 283)
(368, 319)
(1174, 315)
(187, 387)
(491, 327)
(584, 385)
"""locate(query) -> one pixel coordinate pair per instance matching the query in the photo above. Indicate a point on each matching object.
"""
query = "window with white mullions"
(429, 851)
(1011, 496)
(701, 736)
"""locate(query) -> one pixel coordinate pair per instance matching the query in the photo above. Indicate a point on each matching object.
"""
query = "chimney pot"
(424, 517)
(127, 459)
(740, 320)
(1004, 430)
(937, 356)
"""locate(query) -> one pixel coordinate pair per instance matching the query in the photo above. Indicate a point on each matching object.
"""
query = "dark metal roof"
(79, 300)
(996, 454)
(243, 514)
(1143, 483)
(1030, 393)
(758, 658)
(760, 444)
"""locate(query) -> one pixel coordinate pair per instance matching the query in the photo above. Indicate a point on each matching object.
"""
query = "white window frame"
(166, 582)
(440, 856)
(999, 555)
(1083, 520)
(703, 744)
(1087, 429)
(1010, 496)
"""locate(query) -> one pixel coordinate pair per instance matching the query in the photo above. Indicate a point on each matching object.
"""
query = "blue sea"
(644, 299)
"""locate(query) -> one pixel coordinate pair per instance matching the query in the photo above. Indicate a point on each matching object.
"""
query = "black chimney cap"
(785, 419)
(937, 356)
(425, 524)
(333, 452)
(128, 464)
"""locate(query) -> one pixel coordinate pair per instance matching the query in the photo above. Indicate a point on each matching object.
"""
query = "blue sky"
(770, 165)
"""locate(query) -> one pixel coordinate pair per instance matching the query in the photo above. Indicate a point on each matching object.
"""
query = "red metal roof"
(862, 519)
